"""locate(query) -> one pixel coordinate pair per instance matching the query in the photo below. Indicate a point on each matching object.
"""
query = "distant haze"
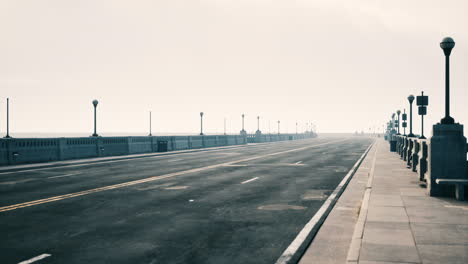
(343, 65)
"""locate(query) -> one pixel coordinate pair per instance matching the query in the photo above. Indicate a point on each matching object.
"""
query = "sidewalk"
(385, 216)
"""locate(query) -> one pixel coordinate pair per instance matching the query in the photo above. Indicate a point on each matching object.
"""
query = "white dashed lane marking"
(43, 256)
(253, 179)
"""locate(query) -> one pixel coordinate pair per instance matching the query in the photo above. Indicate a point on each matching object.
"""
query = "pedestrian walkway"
(385, 216)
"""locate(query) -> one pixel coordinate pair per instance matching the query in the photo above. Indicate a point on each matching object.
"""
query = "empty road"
(243, 204)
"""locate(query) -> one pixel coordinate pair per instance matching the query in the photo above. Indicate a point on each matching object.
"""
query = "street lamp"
(258, 124)
(201, 123)
(398, 121)
(447, 45)
(150, 125)
(278, 127)
(410, 100)
(224, 126)
(296, 127)
(8, 119)
(95, 103)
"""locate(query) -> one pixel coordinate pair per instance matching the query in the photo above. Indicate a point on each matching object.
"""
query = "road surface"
(243, 204)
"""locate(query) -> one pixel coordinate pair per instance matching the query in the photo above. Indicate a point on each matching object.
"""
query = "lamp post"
(224, 126)
(150, 124)
(278, 127)
(410, 100)
(243, 130)
(95, 103)
(398, 121)
(447, 45)
(8, 119)
(296, 127)
(201, 123)
(258, 124)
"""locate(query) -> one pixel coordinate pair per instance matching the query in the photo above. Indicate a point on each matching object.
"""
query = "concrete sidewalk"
(385, 216)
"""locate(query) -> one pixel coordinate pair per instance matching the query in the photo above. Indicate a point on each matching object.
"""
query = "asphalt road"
(236, 205)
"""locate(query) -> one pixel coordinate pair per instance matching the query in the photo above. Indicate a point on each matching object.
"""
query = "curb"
(356, 241)
(296, 249)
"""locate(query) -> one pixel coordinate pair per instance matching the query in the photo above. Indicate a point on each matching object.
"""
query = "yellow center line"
(154, 178)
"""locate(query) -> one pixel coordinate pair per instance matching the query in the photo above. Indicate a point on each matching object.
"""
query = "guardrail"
(32, 150)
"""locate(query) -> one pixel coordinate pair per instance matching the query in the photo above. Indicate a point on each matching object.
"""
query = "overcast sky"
(343, 65)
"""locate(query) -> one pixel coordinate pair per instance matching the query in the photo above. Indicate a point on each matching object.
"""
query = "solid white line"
(299, 244)
(35, 259)
(299, 162)
(61, 176)
(253, 179)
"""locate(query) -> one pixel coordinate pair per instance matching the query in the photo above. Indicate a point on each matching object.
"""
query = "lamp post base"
(7, 136)
(422, 137)
(95, 135)
(448, 120)
(411, 135)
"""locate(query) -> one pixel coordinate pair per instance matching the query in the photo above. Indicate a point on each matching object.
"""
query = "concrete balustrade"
(31, 150)
(417, 155)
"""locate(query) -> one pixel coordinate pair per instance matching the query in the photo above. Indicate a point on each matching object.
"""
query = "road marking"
(191, 201)
(253, 179)
(299, 162)
(153, 178)
(61, 176)
(43, 256)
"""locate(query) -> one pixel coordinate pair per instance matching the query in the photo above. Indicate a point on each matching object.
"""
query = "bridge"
(202, 206)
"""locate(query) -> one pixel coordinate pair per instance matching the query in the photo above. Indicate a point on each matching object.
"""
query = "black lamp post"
(278, 127)
(8, 119)
(150, 125)
(95, 103)
(410, 100)
(258, 124)
(447, 45)
(201, 123)
(398, 121)
(243, 130)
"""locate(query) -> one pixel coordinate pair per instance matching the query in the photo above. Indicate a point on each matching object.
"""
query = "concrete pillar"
(447, 157)
(61, 145)
(99, 147)
(258, 136)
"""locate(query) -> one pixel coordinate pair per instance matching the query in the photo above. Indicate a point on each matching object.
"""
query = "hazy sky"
(344, 65)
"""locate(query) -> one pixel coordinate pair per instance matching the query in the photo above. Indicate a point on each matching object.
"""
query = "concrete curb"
(355, 246)
(296, 249)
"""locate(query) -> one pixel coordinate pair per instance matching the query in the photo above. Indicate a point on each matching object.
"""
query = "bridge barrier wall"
(417, 155)
(32, 150)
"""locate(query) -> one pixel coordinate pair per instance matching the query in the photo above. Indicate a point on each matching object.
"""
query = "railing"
(31, 150)
(415, 152)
